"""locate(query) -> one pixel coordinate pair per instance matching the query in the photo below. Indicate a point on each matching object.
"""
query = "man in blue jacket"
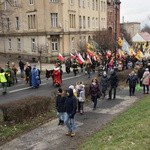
(69, 116)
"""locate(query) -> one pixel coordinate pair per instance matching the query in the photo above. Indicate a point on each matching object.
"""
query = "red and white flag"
(60, 57)
(72, 56)
(79, 58)
(88, 58)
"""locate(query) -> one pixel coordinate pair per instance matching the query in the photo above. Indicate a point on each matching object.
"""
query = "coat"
(60, 103)
(132, 80)
(94, 89)
(145, 78)
(113, 80)
(71, 104)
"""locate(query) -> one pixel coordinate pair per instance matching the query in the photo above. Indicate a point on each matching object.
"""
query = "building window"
(17, 23)
(8, 23)
(9, 44)
(5, 5)
(84, 23)
(72, 21)
(33, 47)
(15, 3)
(96, 22)
(73, 44)
(83, 3)
(93, 4)
(54, 20)
(19, 44)
(53, 1)
(80, 22)
(88, 3)
(96, 5)
(88, 22)
(31, 21)
(80, 3)
(54, 44)
(71, 2)
(31, 2)
(93, 23)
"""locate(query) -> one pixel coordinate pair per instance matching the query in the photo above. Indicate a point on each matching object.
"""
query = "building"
(131, 27)
(113, 14)
(49, 27)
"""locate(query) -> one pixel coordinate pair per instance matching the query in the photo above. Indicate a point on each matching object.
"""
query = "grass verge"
(128, 131)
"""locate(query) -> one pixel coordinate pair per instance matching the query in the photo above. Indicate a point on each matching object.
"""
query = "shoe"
(59, 123)
(109, 99)
(94, 109)
(62, 122)
(72, 134)
(68, 133)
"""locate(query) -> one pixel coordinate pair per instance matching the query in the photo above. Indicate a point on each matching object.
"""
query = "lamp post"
(116, 4)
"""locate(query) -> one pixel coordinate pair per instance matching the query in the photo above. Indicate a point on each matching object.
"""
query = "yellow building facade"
(50, 27)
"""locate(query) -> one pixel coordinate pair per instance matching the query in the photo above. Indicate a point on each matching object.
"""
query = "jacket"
(60, 103)
(113, 80)
(94, 89)
(132, 80)
(145, 78)
(71, 104)
(3, 78)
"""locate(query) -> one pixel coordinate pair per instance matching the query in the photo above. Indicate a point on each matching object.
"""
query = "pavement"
(50, 136)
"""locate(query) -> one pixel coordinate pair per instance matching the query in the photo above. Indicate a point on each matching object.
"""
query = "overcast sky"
(135, 11)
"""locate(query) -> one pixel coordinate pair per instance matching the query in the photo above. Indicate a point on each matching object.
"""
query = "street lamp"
(116, 4)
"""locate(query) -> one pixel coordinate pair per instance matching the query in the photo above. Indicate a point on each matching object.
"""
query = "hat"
(59, 90)
(71, 87)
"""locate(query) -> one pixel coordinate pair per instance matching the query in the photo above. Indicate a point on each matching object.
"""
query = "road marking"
(26, 88)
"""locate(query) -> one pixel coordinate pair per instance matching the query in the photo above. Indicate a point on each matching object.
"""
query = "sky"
(135, 11)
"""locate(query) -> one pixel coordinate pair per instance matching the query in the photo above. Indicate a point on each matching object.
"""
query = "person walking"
(35, 77)
(3, 81)
(81, 98)
(14, 69)
(69, 116)
(145, 81)
(60, 105)
(94, 92)
(113, 84)
(132, 80)
(104, 84)
(21, 65)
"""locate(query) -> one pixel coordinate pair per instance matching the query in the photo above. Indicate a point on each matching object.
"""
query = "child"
(60, 106)
(81, 98)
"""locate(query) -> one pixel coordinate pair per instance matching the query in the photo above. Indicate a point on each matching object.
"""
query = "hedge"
(27, 108)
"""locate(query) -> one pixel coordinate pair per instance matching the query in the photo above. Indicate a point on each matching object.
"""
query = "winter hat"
(59, 90)
(71, 87)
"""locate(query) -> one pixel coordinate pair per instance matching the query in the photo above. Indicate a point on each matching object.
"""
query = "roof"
(141, 37)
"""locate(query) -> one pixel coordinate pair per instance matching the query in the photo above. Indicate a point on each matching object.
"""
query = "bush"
(18, 111)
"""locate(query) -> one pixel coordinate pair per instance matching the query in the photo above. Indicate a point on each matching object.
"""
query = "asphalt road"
(21, 90)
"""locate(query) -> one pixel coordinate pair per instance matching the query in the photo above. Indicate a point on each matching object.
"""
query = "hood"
(70, 91)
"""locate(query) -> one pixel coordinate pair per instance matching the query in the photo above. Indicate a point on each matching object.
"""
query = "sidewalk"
(50, 136)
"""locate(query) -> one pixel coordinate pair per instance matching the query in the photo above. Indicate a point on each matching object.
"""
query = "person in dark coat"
(68, 65)
(140, 73)
(60, 105)
(94, 92)
(69, 117)
(113, 84)
(21, 65)
(132, 80)
(35, 77)
(75, 68)
(104, 84)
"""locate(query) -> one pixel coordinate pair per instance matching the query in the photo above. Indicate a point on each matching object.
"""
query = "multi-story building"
(50, 27)
(113, 16)
(131, 28)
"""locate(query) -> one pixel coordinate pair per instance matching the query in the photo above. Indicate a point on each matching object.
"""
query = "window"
(96, 5)
(79, 3)
(5, 5)
(17, 23)
(71, 2)
(93, 22)
(93, 5)
(88, 22)
(96, 22)
(31, 2)
(80, 22)
(53, 1)
(33, 48)
(31, 21)
(54, 44)
(54, 20)
(9, 44)
(84, 23)
(15, 2)
(8, 23)
(88, 3)
(72, 21)
(72, 42)
(83, 3)
(18, 44)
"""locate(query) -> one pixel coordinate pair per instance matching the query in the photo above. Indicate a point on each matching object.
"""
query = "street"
(21, 90)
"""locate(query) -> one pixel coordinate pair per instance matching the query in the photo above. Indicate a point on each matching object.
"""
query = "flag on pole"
(72, 56)
(88, 58)
(79, 58)
(60, 57)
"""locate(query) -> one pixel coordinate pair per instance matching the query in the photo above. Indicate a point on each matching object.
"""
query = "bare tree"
(146, 29)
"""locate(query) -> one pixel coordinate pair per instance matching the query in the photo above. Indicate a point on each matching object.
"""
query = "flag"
(125, 46)
(88, 58)
(131, 52)
(79, 58)
(91, 53)
(72, 56)
(120, 41)
(60, 57)
(139, 55)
